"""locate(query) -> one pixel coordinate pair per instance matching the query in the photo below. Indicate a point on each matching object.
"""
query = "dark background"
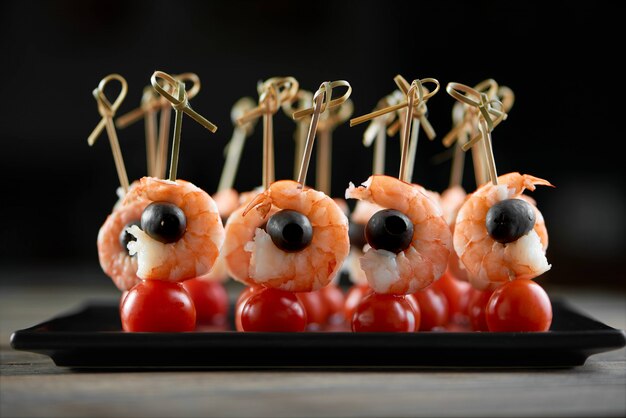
(566, 125)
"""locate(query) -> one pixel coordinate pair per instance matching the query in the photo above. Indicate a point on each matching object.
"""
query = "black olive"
(125, 237)
(509, 220)
(290, 230)
(356, 232)
(164, 222)
(389, 230)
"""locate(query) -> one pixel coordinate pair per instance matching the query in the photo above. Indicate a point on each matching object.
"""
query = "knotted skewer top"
(180, 103)
(322, 102)
(107, 111)
(416, 97)
(486, 109)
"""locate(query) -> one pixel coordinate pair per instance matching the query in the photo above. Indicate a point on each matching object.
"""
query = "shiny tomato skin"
(433, 307)
(519, 306)
(385, 313)
(210, 299)
(457, 293)
(353, 298)
(334, 300)
(273, 310)
(316, 312)
(241, 301)
(476, 309)
(158, 306)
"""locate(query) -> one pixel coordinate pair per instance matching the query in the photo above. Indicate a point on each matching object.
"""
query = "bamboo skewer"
(234, 148)
(329, 120)
(322, 102)
(272, 94)
(486, 124)
(181, 105)
(107, 111)
(304, 99)
(376, 133)
(413, 106)
(465, 127)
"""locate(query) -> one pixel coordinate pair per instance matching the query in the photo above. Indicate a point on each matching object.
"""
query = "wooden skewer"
(329, 120)
(180, 104)
(322, 101)
(235, 146)
(484, 105)
(413, 106)
(272, 94)
(107, 111)
(305, 99)
(376, 132)
(465, 124)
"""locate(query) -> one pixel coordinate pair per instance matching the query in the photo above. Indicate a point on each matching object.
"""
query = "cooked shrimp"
(114, 258)
(195, 252)
(359, 217)
(490, 263)
(451, 201)
(253, 258)
(425, 258)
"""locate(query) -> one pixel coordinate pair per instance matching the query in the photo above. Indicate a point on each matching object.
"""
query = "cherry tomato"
(122, 298)
(457, 293)
(333, 299)
(316, 312)
(385, 313)
(433, 307)
(158, 306)
(273, 310)
(353, 298)
(241, 301)
(210, 299)
(476, 309)
(519, 306)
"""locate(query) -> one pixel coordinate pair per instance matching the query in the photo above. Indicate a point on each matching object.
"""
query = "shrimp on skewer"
(189, 255)
(488, 261)
(425, 257)
(113, 255)
(253, 256)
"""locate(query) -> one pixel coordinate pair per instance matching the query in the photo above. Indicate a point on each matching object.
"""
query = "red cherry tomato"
(519, 306)
(273, 310)
(333, 299)
(241, 301)
(210, 299)
(476, 309)
(433, 307)
(316, 312)
(385, 313)
(158, 306)
(457, 293)
(353, 298)
(122, 298)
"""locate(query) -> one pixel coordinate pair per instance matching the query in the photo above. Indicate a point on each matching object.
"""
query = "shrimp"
(252, 257)
(425, 259)
(195, 253)
(488, 262)
(451, 201)
(114, 258)
(359, 217)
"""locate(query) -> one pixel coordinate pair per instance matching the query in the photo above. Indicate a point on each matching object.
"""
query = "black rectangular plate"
(91, 337)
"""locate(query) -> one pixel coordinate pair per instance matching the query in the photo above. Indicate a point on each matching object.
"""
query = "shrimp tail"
(530, 182)
(262, 202)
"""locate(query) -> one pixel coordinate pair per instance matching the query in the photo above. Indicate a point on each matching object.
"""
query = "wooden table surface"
(31, 385)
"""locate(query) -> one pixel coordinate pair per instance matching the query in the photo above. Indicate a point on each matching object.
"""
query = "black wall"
(566, 125)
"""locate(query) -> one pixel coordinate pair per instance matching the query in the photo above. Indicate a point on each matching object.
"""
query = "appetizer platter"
(437, 278)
